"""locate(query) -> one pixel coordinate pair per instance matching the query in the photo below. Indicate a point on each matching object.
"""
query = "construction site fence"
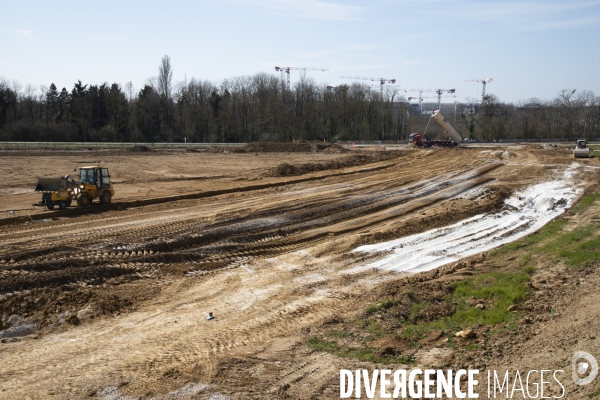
(107, 145)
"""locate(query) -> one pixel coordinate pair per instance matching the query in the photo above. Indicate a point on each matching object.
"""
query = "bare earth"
(120, 297)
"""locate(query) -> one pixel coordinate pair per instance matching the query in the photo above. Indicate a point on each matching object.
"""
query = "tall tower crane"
(439, 93)
(382, 81)
(420, 95)
(485, 82)
(424, 97)
(288, 69)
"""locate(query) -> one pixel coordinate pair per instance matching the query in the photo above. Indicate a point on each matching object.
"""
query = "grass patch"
(499, 289)
(586, 201)
(414, 311)
(525, 260)
(329, 346)
(550, 230)
(504, 289)
(372, 327)
(362, 354)
(529, 270)
(594, 394)
(385, 304)
(339, 334)
(577, 247)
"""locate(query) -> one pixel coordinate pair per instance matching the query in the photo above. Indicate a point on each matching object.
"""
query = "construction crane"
(382, 81)
(424, 97)
(288, 69)
(439, 93)
(485, 82)
(420, 95)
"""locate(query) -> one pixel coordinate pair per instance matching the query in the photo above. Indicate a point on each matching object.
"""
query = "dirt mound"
(225, 149)
(299, 146)
(215, 149)
(140, 149)
(392, 346)
(335, 149)
(55, 306)
(279, 147)
(286, 169)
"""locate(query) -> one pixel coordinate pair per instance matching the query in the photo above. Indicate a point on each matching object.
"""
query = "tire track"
(224, 233)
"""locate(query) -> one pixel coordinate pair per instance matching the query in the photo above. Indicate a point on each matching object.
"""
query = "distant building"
(448, 109)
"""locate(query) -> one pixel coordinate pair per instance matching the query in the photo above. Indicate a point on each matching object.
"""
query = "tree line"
(262, 108)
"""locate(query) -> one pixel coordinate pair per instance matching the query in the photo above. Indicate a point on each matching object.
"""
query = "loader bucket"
(51, 185)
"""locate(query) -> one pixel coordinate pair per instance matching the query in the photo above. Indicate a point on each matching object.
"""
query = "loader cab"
(94, 183)
(95, 176)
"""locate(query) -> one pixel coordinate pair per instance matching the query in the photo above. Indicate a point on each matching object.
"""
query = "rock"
(512, 307)
(465, 334)
(481, 306)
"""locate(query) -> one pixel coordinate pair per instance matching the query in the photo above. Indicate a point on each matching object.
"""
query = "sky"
(530, 49)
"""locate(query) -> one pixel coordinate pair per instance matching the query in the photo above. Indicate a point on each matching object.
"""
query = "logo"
(585, 368)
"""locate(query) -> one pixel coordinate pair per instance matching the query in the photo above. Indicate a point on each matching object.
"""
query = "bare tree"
(589, 110)
(129, 91)
(30, 100)
(165, 77)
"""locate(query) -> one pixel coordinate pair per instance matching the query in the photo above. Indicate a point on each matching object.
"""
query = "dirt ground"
(115, 301)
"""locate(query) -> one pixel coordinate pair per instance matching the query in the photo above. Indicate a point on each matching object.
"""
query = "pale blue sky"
(529, 48)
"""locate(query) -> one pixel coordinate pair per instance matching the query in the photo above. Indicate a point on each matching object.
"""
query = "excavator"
(427, 141)
(94, 183)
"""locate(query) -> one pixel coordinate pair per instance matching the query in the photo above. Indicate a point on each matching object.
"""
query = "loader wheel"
(62, 205)
(84, 200)
(105, 197)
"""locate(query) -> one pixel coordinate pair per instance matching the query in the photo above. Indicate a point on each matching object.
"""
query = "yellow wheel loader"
(94, 183)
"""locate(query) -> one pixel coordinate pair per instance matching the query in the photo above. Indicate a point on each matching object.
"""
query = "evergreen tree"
(51, 102)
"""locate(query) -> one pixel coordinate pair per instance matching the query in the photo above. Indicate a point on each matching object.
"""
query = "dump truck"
(94, 183)
(581, 149)
(428, 141)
